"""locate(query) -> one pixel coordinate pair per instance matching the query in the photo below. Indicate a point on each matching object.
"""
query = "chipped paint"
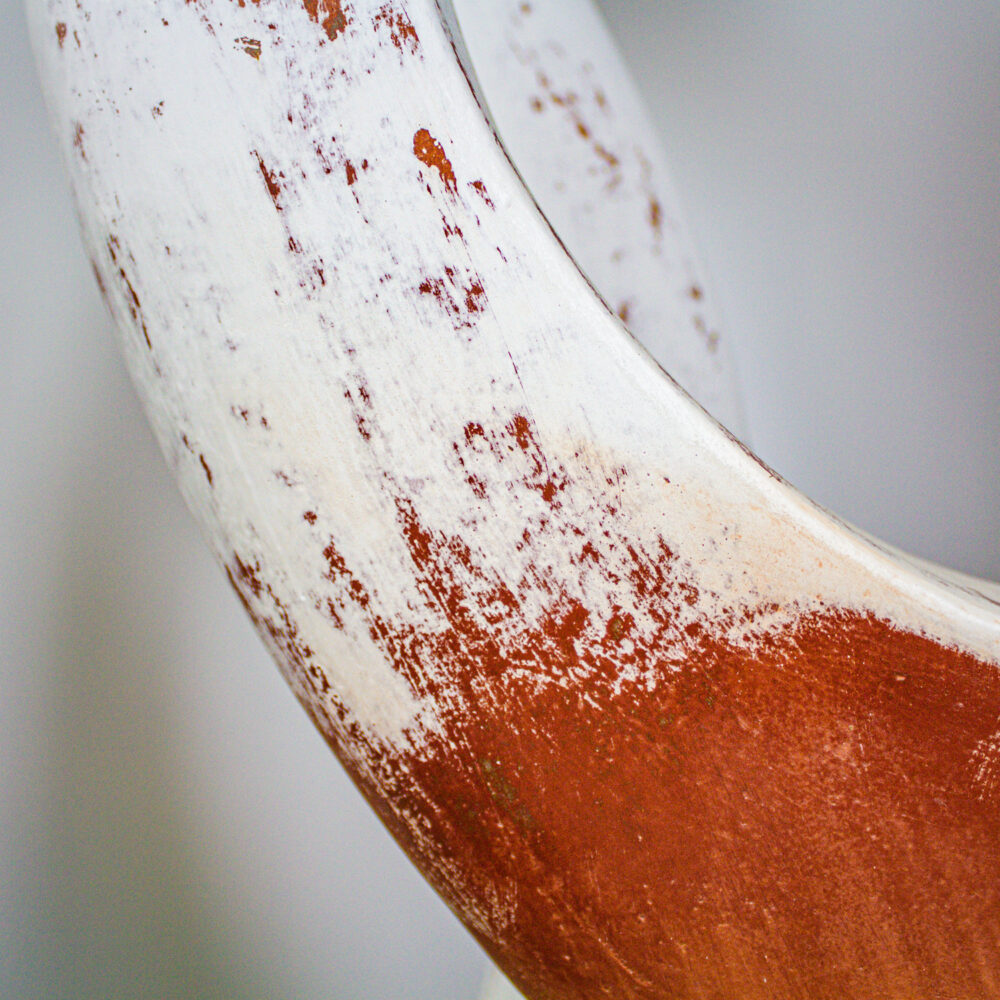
(251, 46)
(400, 28)
(582, 141)
(331, 15)
(430, 152)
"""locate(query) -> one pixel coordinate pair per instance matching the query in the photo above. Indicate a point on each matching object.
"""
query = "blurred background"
(170, 824)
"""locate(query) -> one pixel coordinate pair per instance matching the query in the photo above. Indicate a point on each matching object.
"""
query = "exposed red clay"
(803, 819)
(400, 28)
(331, 15)
(431, 153)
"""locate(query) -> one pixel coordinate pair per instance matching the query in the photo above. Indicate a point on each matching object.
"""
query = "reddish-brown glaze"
(61, 33)
(623, 804)
(431, 153)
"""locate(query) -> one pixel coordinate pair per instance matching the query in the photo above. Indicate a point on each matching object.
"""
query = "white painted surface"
(227, 877)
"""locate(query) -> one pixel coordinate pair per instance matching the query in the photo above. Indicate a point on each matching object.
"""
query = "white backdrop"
(170, 825)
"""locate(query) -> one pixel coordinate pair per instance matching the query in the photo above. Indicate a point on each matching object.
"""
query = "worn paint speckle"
(271, 180)
(78, 134)
(461, 300)
(251, 46)
(430, 152)
(480, 188)
(656, 216)
(401, 30)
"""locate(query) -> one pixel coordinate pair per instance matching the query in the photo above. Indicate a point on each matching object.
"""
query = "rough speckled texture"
(651, 722)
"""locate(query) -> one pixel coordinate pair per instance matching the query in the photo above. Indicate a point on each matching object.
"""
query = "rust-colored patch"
(61, 32)
(205, 468)
(431, 153)
(331, 15)
(400, 27)
(623, 807)
(624, 311)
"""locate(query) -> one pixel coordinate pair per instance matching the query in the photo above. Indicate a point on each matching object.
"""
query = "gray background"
(170, 825)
